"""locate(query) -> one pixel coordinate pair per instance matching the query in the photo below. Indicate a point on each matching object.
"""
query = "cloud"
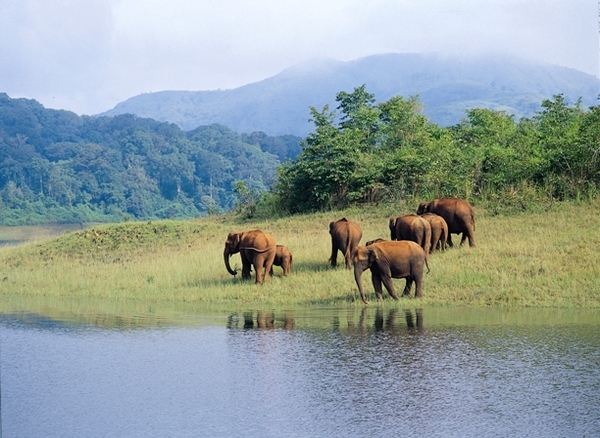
(53, 48)
(87, 55)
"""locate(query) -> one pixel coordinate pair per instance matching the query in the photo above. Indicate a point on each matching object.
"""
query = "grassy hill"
(447, 87)
(545, 259)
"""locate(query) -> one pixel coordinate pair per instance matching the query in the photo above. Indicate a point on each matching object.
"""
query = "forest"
(58, 167)
(364, 152)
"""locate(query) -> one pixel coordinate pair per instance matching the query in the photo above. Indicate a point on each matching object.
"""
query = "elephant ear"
(372, 256)
(235, 239)
(392, 222)
(423, 208)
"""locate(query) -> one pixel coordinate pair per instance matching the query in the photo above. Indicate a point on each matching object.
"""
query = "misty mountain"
(447, 86)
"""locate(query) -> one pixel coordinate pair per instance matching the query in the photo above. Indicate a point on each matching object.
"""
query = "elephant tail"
(427, 264)
(348, 243)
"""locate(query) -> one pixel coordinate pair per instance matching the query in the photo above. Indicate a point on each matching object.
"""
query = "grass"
(526, 260)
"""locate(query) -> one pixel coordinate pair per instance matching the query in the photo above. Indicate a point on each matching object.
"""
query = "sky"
(88, 55)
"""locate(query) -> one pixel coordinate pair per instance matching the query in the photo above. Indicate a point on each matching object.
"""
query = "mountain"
(447, 87)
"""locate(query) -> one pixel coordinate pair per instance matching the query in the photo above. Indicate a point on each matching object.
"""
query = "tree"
(246, 199)
(568, 160)
(359, 114)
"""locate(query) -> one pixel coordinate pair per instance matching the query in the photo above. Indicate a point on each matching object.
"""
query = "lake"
(372, 371)
(12, 236)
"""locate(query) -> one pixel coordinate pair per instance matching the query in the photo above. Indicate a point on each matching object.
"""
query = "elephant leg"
(268, 264)
(434, 242)
(408, 287)
(470, 235)
(376, 280)
(258, 267)
(449, 242)
(246, 266)
(348, 258)
(334, 251)
(418, 288)
(389, 285)
(443, 241)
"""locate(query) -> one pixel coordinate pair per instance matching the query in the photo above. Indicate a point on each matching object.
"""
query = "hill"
(58, 167)
(447, 86)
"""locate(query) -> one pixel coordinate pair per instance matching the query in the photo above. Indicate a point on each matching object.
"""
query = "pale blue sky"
(88, 55)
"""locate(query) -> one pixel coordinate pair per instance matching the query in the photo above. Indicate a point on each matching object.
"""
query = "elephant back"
(456, 212)
(414, 227)
(258, 241)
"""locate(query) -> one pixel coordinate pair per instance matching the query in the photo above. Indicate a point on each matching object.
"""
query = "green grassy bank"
(530, 260)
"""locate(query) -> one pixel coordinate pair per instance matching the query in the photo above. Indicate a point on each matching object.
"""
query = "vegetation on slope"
(367, 153)
(57, 167)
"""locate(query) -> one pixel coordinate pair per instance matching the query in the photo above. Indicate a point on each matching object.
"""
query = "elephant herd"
(413, 238)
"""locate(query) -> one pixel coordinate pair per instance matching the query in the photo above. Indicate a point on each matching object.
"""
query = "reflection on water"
(384, 320)
(263, 320)
(361, 371)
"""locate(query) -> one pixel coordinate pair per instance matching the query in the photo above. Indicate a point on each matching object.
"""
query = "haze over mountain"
(447, 86)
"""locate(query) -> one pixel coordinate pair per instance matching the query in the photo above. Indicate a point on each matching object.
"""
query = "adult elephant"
(283, 258)
(387, 260)
(256, 248)
(411, 227)
(458, 214)
(345, 236)
(439, 231)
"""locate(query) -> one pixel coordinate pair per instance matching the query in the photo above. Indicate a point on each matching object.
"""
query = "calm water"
(313, 373)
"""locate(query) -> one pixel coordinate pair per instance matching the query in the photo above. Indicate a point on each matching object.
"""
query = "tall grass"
(548, 259)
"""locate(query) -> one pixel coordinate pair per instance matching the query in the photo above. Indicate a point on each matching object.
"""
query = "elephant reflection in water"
(381, 323)
(417, 321)
(390, 323)
(264, 320)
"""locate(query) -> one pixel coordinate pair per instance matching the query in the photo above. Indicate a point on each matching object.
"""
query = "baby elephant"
(283, 258)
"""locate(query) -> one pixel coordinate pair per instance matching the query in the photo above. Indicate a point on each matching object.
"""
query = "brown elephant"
(411, 227)
(283, 258)
(345, 236)
(256, 247)
(458, 214)
(387, 260)
(439, 231)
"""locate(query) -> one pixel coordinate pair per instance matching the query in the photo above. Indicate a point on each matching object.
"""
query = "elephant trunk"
(226, 255)
(358, 277)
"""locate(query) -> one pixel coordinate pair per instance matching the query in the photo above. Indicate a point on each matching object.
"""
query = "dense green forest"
(58, 167)
(364, 152)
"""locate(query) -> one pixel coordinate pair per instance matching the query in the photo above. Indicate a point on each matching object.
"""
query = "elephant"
(345, 236)
(387, 260)
(458, 214)
(411, 227)
(283, 258)
(256, 248)
(439, 231)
